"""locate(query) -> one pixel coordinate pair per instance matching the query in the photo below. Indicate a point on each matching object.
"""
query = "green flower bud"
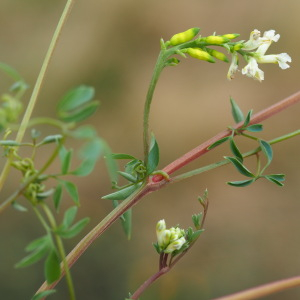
(216, 40)
(200, 54)
(184, 37)
(217, 54)
(231, 35)
(176, 245)
(238, 47)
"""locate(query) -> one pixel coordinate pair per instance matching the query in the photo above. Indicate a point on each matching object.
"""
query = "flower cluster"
(261, 44)
(169, 240)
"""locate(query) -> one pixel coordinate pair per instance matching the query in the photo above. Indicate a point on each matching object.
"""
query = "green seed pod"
(216, 40)
(184, 37)
(217, 54)
(200, 54)
(231, 35)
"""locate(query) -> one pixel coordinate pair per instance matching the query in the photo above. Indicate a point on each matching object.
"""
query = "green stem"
(225, 162)
(37, 87)
(61, 251)
(160, 64)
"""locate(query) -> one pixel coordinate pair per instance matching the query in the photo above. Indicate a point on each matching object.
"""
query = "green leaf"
(241, 183)
(38, 243)
(57, 196)
(34, 257)
(18, 206)
(127, 176)
(71, 188)
(10, 143)
(195, 235)
(236, 112)
(51, 139)
(80, 114)
(197, 220)
(110, 162)
(219, 142)
(74, 230)
(127, 223)
(42, 295)
(52, 267)
(76, 98)
(276, 178)
(69, 216)
(153, 157)
(267, 150)
(235, 150)
(255, 128)
(11, 72)
(84, 132)
(123, 193)
(122, 156)
(65, 158)
(248, 118)
(85, 168)
(239, 166)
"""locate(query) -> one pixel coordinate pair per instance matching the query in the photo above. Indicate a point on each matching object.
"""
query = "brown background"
(252, 234)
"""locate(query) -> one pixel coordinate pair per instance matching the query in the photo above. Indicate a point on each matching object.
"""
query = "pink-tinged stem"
(202, 149)
(264, 290)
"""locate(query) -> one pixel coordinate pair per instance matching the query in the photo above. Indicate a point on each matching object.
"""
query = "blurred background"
(251, 233)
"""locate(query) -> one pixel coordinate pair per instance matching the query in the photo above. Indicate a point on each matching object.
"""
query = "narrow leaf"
(69, 216)
(236, 112)
(18, 206)
(153, 157)
(122, 194)
(84, 132)
(127, 176)
(255, 128)
(241, 183)
(279, 177)
(71, 188)
(42, 295)
(65, 158)
(127, 223)
(196, 234)
(239, 166)
(274, 181)
(52, 267)
(74, 230)
(57, 196)
(267, 150)
(235, 150)
(34, 257)
(10, 71)
(110, 162)
(51, 139)
(38, 243)
(10, 143)
(122, 156)
(248, 118)
(219, 142)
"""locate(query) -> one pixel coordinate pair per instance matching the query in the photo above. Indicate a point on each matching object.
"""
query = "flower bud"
(238, 47)
(217, 54)
(176, 245)
(216, 40)
(160, 228)
(200, 54)
(231, 35)
(184, 37)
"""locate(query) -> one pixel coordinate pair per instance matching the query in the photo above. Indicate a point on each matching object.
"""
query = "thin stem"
(157, 71)
(257, 118)
(61, 251)
(152, 186)
(38, 85)
(264, 290)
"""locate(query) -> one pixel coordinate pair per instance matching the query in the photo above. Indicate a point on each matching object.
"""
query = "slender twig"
(152, 186)
(264, 290)
(38, 85)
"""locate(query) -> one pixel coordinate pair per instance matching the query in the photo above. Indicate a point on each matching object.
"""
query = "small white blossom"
(176, 245)
(252, 70)
(281, 59)
(254, 41)
(233, 66)
(266, 41)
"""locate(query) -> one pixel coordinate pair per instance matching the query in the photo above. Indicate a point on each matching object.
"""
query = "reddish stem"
(202, 149)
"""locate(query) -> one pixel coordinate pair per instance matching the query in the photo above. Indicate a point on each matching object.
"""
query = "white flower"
(160, 228)
(233, 66)
(266, 41)
(254, 41)
(281, 59)
(176, 245)
(252, 70)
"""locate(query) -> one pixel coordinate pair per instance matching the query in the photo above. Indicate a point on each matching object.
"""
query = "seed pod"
(185, 36)
(200, 54)
(216, 40)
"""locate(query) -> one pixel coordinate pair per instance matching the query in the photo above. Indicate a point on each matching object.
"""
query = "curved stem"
(264, 290)
(38, 85)
(157, 71)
